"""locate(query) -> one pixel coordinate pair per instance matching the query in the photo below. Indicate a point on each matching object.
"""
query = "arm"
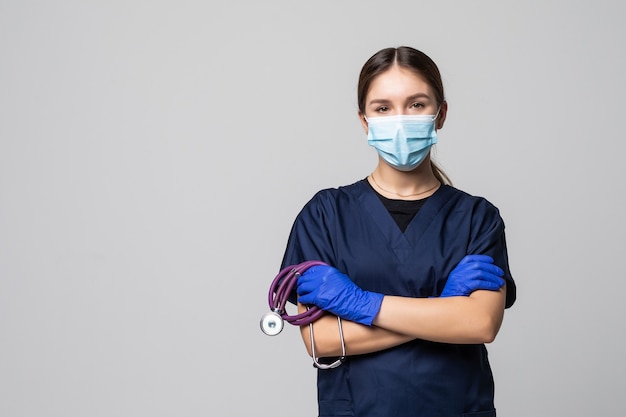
(464, 313)
(461, 320)
(358, 338)
(473, 319)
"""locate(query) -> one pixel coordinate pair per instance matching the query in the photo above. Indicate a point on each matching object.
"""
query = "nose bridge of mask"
(401, 119)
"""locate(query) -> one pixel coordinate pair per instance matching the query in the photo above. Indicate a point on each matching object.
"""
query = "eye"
(417, 105)
(382, 109)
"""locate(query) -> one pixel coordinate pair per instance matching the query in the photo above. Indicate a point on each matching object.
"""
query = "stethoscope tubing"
(282, 287)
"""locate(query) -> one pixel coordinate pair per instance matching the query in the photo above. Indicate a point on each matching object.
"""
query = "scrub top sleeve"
(310, 236)
(488, 238)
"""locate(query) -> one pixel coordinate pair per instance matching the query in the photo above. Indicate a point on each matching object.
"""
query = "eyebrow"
(417, 95)
(409, 98)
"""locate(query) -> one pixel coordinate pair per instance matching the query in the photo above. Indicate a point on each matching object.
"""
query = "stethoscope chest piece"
(272, 323)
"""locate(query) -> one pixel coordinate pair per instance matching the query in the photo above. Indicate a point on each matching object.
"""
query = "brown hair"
(413, 60)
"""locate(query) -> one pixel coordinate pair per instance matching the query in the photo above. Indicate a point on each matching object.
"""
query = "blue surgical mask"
(402, 141)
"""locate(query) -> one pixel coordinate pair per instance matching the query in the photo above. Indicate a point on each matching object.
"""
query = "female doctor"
(417, 269)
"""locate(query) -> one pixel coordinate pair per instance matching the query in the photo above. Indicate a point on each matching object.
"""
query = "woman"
(417, 269)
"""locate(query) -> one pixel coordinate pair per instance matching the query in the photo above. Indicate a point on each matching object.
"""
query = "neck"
(412, 185)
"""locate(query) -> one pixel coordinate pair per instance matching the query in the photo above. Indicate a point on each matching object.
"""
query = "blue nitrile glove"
(473, 272)
(330, 290)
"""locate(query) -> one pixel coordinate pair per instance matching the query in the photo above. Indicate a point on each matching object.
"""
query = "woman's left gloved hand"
(333, 291)
(473, 272)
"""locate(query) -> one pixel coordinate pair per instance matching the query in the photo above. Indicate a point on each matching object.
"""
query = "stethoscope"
(273, 322)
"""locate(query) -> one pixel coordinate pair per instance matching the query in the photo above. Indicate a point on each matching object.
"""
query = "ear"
(441, 118)
(363, 121)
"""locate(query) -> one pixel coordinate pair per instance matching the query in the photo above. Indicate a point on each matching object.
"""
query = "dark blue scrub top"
(348, 227)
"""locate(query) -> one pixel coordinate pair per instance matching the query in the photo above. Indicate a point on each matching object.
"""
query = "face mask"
(402, 141)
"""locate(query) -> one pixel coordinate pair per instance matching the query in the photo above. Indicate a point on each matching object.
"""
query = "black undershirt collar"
(402, 211)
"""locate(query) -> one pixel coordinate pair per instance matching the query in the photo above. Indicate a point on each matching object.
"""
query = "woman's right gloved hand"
(333, 291)
(473, 272)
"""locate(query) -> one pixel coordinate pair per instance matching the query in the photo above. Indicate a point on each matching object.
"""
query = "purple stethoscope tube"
(280, 289)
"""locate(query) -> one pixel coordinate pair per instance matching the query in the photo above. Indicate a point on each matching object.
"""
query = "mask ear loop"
(339, 361)
(437, 114)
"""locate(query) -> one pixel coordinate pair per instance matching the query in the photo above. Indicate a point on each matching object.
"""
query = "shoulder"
(475, 203)
(328, 199)
(481, 213)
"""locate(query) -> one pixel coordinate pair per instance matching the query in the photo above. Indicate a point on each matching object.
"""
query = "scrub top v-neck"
(402, 211)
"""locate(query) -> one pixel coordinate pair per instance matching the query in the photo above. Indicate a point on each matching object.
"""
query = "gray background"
(153, 155)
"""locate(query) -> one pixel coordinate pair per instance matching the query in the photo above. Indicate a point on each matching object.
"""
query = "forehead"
(398, 82)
